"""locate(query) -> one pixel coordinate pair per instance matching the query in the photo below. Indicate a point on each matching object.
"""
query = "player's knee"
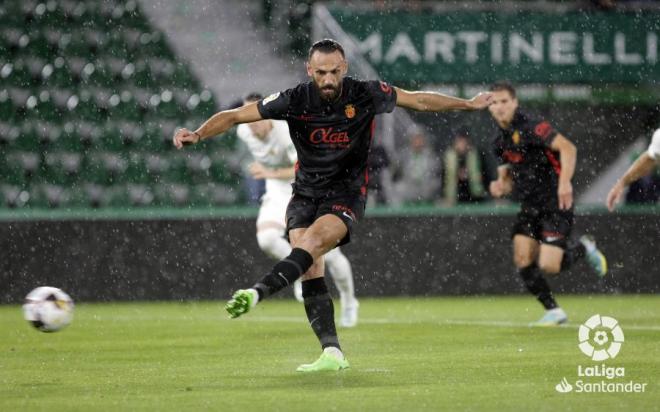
(550, 268)
(268, 238)
(312, 244)
(521, 260)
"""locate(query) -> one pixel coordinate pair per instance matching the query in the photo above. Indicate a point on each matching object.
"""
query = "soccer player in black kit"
(537, 164)
(331, 122)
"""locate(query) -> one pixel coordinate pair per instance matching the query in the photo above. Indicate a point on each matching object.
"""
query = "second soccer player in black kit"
(331, 122)
(537, 165)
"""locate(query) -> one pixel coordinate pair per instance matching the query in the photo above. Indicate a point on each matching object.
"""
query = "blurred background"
(91, 92)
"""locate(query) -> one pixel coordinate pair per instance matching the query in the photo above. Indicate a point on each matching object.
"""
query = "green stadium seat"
(105, 168)
(14, 197)
(98, 196)
(88, 133)
(162, 167)
(213, 194)
(226, 167)
(21, 167)
(15, 74)
(9, 134)
(172, 194)
(198, 166)
(140, 195)
(90, 96)
(122, 106)
(53, 196)
(63, 167)
(47, 133)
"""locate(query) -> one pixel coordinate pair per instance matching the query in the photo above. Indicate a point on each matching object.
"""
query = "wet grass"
(406, 354)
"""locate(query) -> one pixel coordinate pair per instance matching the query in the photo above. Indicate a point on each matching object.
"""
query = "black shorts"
(304, 210)
(550, 226)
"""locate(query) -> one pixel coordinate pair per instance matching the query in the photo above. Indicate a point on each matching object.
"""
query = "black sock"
(574, 251)
(538, 286)
(284, 273)
(320, 312)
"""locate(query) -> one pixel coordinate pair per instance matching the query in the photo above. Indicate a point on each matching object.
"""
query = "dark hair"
(499, 86)
(326, 46)
(253, 97)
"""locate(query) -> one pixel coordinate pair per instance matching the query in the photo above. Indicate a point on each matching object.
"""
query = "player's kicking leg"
(595, 257)
(309, 244)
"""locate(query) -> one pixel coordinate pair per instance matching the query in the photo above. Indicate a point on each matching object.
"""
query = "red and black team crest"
(516, 137)
(350, 111)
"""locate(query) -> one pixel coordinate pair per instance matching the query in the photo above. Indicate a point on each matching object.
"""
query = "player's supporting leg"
(525, 252)
(342, 274)
(549, 264)
(320, 237)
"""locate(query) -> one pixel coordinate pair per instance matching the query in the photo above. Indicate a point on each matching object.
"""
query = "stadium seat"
(90, 96)
(214, 194)
(172, 194)
(13, 196)
(140, 195)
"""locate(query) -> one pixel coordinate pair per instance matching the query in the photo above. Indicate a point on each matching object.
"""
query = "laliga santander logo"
(600, 330)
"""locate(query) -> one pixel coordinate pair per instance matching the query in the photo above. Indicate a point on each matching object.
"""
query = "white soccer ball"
(48, 309)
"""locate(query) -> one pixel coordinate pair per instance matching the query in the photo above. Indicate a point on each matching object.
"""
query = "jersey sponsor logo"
(270, 98)
(512, 157)
(327, 135)
(350, 111)
(543, 130)
(516, 137)
(385, 88)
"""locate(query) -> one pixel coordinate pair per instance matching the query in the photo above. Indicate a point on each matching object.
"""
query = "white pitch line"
(451, 322)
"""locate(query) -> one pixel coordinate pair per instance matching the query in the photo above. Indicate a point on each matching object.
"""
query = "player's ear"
(308, 67)
(344, 68)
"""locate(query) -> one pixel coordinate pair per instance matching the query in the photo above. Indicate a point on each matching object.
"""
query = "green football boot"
(326, 362)
(240, 303)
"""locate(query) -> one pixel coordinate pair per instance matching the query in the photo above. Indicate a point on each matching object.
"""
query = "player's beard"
(329, 93)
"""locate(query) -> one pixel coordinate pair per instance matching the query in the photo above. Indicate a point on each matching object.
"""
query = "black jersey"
(332, 138)
(534, 166)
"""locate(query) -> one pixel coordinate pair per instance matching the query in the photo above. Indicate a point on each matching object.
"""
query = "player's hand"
(565, 195)
(481, 101)
(184, 136)
(496, 188)
(259, 171)
(614, 196)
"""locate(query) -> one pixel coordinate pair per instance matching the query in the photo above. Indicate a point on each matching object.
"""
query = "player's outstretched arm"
(218, 123)
(438, 102)
(641, 167)
(567, 155)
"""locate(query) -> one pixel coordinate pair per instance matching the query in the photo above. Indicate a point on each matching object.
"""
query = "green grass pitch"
(471, 353)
